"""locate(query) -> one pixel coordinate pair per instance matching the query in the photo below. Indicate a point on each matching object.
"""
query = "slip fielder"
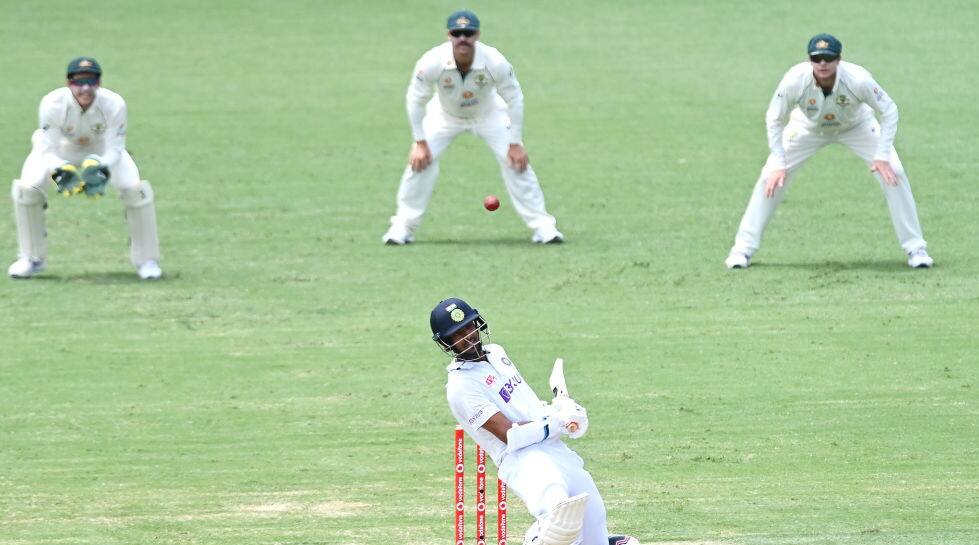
(477, 92)
(819, 102)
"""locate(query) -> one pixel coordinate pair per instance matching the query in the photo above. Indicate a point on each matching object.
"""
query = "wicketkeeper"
(81, 147)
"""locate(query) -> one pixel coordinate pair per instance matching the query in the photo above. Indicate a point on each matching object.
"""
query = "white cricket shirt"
(69, 134)
(855, 98)
(478, 390)
(490, 84)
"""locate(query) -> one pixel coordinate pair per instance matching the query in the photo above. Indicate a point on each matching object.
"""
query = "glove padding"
(95, 176)
(68, 181)
(571, 418)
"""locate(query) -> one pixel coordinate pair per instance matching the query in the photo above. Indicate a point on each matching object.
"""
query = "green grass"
(280, 387)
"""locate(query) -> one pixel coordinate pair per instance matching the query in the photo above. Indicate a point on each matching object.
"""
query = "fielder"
(522, 435)
(81, 147)
(477, 93)
(817, 103)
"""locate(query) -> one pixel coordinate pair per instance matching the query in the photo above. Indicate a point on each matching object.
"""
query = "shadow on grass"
(890, 265)
(107, 278)
(482, 242)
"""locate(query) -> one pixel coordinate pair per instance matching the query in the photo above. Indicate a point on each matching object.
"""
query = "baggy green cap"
(463, 20)
(825, 44)
(84, 65)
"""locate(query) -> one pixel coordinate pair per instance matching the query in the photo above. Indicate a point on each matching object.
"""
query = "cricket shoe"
(919, 259)
(25, 268)
(398, 235)
(737, 260)
(149, 271)
(547, 235)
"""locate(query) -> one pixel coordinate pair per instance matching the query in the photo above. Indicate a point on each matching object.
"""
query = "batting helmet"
(449, 317)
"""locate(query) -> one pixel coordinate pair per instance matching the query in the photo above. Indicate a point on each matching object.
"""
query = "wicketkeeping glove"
(67, 179)
(95, 176)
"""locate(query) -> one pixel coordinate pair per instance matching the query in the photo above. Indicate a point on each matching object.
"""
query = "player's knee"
(26, 194)
(137, 196)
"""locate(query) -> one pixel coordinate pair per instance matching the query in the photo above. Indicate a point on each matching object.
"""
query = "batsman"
(80, 146)
(523, 435)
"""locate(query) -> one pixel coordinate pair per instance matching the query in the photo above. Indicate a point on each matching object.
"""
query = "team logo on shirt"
(829, 117)
(506, 392)
(812, 102)
(842, 100)
(481, 80)
(812, 105)
(99, 128)
(447, 83)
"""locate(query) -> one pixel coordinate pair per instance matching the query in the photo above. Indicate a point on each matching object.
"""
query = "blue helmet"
(448, 318)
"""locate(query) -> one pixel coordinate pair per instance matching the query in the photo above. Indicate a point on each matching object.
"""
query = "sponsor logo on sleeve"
(475, 417)
(878, 94)
(490, 379)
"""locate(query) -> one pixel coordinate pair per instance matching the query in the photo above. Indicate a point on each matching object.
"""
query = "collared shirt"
(478, 390)
(70, 134)
(854, 99)
(490, 84)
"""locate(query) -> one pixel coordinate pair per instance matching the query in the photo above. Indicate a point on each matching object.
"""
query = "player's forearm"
(888, 131)
(416, 114)
(515, 112)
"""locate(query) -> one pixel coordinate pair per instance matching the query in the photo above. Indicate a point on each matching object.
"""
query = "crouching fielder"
(81, 147)
(522, 435)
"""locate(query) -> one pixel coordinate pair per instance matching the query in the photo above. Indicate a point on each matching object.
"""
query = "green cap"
(825, 44)
(84, 65)
(463, 20)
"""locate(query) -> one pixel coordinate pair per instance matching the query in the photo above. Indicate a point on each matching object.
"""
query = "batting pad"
(562, 526)
(29, 205)
(144, 245)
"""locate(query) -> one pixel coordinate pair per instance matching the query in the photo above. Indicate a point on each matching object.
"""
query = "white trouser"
(547, 473)
(29, 202)
(440, 130)
(800, 144)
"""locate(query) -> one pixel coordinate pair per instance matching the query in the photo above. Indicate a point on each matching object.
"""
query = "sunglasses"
(820, 58)
(460, 32)
(81, 82)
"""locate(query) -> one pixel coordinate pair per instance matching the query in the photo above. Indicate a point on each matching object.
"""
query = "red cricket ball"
(491, 202)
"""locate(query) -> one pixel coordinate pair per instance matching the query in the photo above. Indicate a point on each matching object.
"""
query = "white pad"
(29, 205)
(562, 526)
(141, 217)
